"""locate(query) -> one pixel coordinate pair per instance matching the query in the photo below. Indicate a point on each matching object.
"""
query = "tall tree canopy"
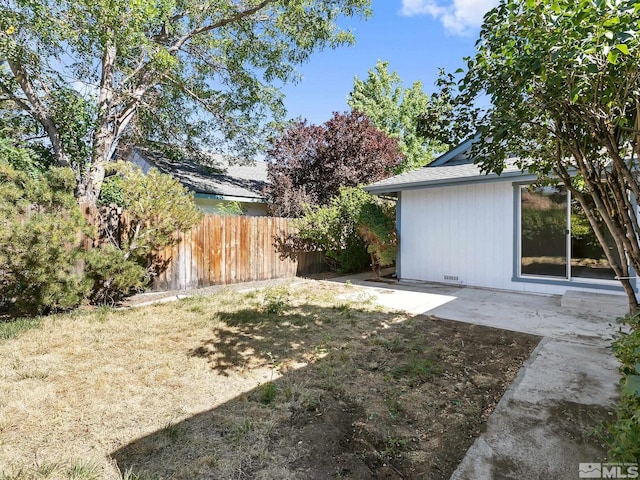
(83, 74)
(309, 163)
(397, 111)
(563, 77)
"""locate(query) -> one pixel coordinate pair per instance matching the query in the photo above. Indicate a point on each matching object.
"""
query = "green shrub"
(624, 432)
(268, 393)
(332, 229)
(230, 208)
(377, 227)
(111, 192)
(156, 207)
(41, 228)
(40, 250)
(353, 231)
(276, 300)
(112, 275)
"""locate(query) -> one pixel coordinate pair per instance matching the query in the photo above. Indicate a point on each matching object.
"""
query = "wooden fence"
(222, 250)
(228, 249)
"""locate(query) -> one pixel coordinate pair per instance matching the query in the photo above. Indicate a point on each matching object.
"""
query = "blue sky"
(416, 37)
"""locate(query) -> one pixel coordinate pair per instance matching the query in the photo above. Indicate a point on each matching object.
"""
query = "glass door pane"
(587, 256)
(543, 240)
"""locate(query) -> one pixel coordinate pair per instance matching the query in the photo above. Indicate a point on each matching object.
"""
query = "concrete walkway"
(542, 428)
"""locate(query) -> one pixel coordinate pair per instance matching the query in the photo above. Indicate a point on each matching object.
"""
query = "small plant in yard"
(172, 430)
(393, 404)
(276, 300)
(129, 475)
(268, 393)
(103, 312)
(418, 369)
(311, 401)
(393, 448)
(83, 471)
(46, 470)
(242, 428)
(344, 309)
(11, 329)
(269, 390)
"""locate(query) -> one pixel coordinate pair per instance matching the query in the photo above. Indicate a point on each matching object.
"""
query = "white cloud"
(457, 16)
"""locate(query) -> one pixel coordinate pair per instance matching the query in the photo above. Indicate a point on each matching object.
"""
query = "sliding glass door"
(588, 259)
(556, 239)
(543, 237)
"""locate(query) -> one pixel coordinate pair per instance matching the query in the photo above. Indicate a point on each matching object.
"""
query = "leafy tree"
(309, 163)
(564, 83)
(84, 74)
(397, 112)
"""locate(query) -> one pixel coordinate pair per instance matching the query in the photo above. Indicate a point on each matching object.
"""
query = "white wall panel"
(460, 231)
(463, 231)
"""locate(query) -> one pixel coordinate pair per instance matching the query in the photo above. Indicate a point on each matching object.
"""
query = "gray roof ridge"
(455, 151)
(241, 180)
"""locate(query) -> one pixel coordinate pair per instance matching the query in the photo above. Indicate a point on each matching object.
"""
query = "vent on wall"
(451, 278)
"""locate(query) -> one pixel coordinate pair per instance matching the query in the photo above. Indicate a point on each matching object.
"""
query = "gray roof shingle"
(242, 181)
(457, 169)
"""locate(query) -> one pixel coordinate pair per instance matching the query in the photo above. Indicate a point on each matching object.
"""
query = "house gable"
(452, 168)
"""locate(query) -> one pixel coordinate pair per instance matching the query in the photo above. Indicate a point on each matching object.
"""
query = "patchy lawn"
(289, 382)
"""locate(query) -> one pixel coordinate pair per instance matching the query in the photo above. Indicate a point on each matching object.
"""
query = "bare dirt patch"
(287, 382)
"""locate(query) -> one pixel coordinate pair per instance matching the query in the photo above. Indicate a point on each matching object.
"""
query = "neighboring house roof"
(453, 167)
(225, 181)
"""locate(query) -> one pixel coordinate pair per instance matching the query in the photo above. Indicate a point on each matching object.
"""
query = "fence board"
(222, 250)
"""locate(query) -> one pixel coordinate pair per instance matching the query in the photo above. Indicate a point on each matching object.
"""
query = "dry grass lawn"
(287, 382)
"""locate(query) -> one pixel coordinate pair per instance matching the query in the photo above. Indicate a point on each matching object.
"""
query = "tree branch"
(13, 98)
(124, 117)
(39, 111)
(220, 23)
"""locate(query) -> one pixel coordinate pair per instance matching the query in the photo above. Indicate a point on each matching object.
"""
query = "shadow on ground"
(358, 393)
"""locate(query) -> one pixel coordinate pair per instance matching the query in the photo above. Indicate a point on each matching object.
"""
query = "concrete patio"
(568, 385)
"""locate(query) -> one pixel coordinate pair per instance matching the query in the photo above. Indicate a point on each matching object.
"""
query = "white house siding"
(461, 231)
(464, 231)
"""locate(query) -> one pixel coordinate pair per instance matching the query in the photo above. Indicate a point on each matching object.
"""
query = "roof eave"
(230, 198)
(491, 177)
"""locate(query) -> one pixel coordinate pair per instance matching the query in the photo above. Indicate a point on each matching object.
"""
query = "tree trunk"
(88, 189)
(631, 296)
(90, 183)
(620, 266)
(622, 270)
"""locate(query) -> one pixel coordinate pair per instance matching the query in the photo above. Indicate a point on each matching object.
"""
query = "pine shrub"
(40, 249)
